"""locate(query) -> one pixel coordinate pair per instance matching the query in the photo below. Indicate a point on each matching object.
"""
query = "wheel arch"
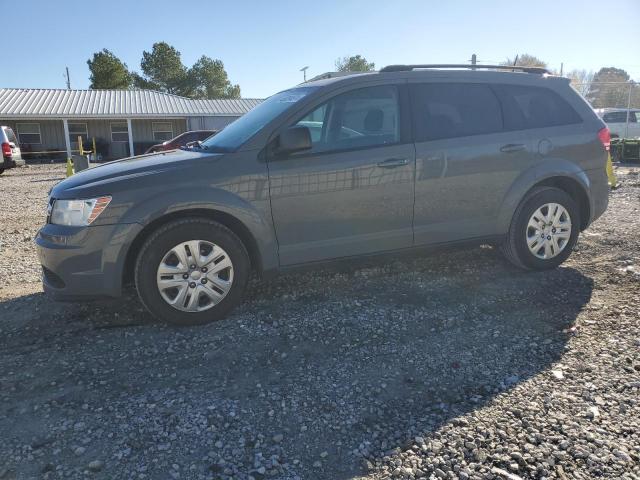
(558, 173)
(575, 190)
(224, 218)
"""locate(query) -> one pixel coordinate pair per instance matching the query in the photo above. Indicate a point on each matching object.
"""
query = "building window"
(77, 129)
(29, 133)
(162, 131)
(119, 132)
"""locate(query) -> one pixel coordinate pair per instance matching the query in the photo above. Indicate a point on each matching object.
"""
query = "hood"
(129, 168)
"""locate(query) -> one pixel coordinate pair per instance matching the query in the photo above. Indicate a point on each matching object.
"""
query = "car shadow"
(316, 374)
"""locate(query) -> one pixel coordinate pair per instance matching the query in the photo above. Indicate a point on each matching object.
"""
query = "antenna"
(304, 72)
(67, 78)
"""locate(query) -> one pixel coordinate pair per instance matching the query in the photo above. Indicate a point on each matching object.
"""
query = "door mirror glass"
(294, 139)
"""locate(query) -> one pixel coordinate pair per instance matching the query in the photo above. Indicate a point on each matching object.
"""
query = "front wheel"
(544, 230)
(192, 271)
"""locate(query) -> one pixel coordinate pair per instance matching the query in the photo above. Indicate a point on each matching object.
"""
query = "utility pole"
(561, 68)
(304, 72)
(626, 130)
(474, 59)
(68, 79)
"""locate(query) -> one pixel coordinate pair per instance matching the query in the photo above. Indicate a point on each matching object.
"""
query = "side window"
(534, 107)
(366, 117)
(12, 137)
(615, 117)
(449, 110)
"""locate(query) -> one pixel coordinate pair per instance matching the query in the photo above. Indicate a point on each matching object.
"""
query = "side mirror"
(294, 139)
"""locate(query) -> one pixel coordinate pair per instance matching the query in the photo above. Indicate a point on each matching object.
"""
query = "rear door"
(352, 193)
(16, 154)
(465, 160)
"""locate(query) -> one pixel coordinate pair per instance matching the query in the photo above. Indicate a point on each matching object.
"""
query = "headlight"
(78, 213)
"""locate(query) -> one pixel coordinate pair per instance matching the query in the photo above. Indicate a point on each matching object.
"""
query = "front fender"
(254, 215)
(548, 168)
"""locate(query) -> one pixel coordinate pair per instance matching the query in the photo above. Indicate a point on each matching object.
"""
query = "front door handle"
(513, 147)
(393, 162)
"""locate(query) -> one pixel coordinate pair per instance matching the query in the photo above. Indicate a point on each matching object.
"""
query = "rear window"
(620, 117)
(534, 107)
(448, 110)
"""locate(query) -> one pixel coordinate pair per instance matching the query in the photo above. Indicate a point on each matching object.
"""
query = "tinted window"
(534, 107)
(447, 110)
(615, 117)
(365, 117)
(11, 136)
(203, 135)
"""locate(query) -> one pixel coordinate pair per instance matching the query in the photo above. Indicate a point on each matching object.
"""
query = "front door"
(352, 193)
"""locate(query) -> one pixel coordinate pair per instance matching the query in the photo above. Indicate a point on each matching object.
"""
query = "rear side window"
(534, 107)
(448, 110)
(11, 136)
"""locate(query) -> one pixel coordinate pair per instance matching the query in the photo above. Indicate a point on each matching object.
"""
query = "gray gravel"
(452, 366)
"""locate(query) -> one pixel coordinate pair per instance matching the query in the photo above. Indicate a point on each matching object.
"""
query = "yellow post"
(95, 154)
(80, 145)
(69, 167)
(613, 181)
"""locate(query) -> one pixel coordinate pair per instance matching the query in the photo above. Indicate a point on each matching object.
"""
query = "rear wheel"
(192, 271)
(1, 171)
(544, 230)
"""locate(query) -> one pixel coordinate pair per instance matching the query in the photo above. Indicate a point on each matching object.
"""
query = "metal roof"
(59, 103)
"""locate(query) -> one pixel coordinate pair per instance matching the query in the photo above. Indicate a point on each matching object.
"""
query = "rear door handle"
(513, 147)
(393, 162)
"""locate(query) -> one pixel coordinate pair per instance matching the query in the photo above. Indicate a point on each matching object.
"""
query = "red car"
(182, 140)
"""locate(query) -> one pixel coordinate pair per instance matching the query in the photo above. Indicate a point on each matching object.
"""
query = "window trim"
(111, 124)
(154, 131)
(405, 132)
(17, 133)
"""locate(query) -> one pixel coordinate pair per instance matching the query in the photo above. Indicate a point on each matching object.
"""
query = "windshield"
(238, 132)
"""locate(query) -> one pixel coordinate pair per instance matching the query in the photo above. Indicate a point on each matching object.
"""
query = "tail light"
(6, 150)
(605, 137)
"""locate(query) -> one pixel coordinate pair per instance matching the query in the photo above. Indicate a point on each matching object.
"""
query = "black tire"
(1, 171)
(515, 247)
(167, 237)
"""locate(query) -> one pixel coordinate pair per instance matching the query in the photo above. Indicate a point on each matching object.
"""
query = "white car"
(11, 155)
(616, 120)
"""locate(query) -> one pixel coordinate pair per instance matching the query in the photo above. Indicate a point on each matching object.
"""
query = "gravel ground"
(449, 366)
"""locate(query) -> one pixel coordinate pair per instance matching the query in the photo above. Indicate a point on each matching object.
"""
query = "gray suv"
(409, 157)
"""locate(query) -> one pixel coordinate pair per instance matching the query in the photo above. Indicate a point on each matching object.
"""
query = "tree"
(108, 71)
(581, 80)
(609, 88)
(209, 79)
(525, 60)
(355, 63)
(162, 67)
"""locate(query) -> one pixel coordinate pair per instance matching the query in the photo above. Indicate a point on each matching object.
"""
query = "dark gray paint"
(306, 208)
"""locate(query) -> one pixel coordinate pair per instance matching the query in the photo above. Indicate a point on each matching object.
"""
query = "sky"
(263, 44)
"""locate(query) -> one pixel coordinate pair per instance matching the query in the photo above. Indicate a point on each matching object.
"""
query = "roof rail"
(513, 68)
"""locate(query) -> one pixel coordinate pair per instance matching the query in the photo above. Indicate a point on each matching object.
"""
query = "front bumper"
(82, 263)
